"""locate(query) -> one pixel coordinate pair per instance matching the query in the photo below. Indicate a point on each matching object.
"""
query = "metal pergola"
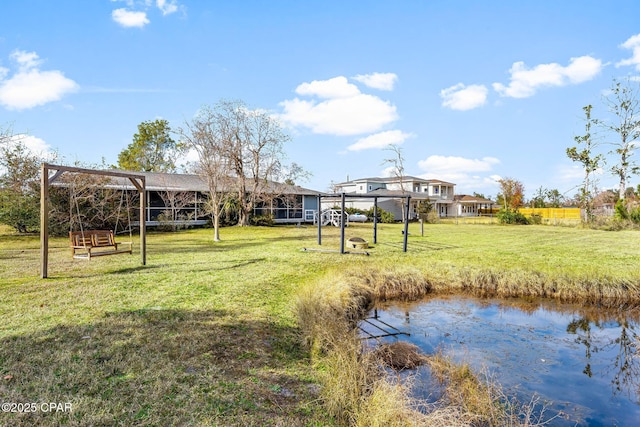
(343, 198)
(138, 182)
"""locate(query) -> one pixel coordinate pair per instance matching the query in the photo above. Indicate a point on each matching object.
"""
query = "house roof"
(159, 181)
(463, 198)
(384, 193)
(394, 179)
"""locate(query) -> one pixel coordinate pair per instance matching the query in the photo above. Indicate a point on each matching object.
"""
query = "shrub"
(383, 216)
(634, 215)
(535, 219)
(621, 210)
(262, 220)
(507, 216)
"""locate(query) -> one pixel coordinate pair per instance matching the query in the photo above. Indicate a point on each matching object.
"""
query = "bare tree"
(175, 201)
(208, 134)
(6, 135)
(396, 162)
(242, 151)
(624, 104)
(256, 154)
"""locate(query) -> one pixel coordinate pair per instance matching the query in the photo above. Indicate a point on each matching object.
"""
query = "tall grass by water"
(213, 333)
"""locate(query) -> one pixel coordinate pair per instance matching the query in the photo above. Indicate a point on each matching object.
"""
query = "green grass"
(206, 333)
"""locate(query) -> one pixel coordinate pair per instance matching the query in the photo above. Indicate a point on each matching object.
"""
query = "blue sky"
(471, 90)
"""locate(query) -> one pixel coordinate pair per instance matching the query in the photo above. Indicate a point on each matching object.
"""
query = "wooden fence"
(552, 213)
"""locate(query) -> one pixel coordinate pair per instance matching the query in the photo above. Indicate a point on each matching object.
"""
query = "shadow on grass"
(160, 367)
(420, 246)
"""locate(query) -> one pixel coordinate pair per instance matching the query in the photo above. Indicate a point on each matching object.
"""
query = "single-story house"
(471, 205)
(181, 199)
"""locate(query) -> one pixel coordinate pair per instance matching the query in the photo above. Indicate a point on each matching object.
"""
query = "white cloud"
(633, 44)
(447, 164)
(380, 140)
(526, 81)
(167, 7)
(337, 87)
(128, 18)
(342, 110)
(465, 173)
(36, 145)
(25, 60)
(461, 97)
(382, 81)
(29, 86)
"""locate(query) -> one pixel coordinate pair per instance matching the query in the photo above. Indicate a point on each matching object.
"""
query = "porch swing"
(86, 244)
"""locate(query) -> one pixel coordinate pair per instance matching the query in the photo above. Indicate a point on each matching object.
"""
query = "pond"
(584, 362)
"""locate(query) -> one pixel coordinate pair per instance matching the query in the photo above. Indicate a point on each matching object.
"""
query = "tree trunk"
(216, 227)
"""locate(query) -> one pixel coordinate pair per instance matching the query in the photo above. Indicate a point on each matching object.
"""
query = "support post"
(44, 221)
(375, 220)
(319, 220)
(342, 221)
(143, 222)
(406, 224)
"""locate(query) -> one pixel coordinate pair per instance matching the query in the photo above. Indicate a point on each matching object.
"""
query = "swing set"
(86, 244)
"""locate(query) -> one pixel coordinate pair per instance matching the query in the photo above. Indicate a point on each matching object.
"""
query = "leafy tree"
(19, 187)
(584, 154)
(555, 198)
(152, 149)
(512, 193)
(624, 104)
(545, 198)
(539, 199)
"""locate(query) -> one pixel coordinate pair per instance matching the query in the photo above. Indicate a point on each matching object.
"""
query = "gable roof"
(471, 199)
(394, 179)
(160, 181)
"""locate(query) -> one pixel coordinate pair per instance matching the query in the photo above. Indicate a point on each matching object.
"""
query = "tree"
(512, 194)
(583, 153)
(19, 186)
(545, 198)
(253, 143)
(555, 198)
(539, 199)
(396, 162)
(208, 134)
(623, 103)
(152, 149)
(240, 151)
(5, 135)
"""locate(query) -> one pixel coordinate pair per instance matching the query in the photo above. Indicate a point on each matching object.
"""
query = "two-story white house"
(439, 193)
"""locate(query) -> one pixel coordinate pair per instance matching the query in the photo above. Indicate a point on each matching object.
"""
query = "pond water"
(584, 362)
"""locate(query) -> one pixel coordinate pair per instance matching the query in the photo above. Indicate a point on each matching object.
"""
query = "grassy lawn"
(206, 333)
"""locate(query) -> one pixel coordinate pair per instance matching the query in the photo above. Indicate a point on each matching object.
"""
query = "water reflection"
(625, 369)
(584, 360)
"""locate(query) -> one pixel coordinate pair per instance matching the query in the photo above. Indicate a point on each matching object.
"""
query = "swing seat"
(92, 243)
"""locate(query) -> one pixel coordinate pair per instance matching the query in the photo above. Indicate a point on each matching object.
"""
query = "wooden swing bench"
(84, 243)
